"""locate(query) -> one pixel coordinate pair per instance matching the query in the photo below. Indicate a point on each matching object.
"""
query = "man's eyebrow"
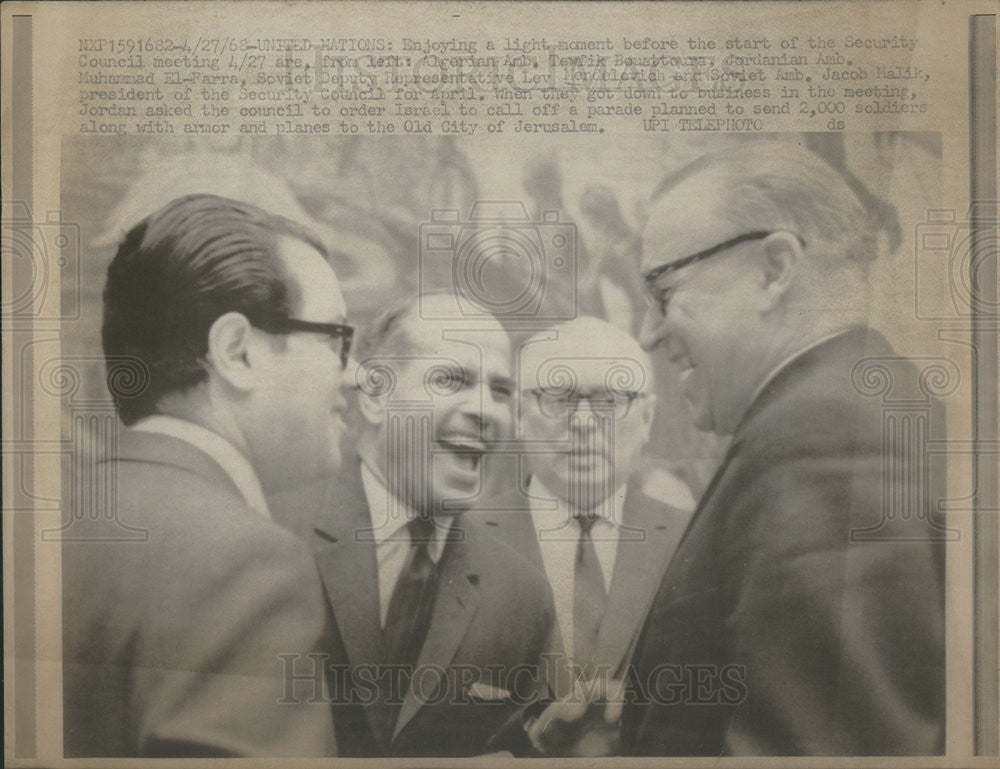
(502, 379)
(457, 369)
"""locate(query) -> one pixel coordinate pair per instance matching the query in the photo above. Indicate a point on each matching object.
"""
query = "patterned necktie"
(589, 598)
(409, 615)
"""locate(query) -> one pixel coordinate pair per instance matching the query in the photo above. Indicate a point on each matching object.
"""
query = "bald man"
(598, 522)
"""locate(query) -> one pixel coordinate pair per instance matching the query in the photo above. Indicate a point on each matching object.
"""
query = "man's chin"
(300, 493)
(702, 416)
(450, 509)
(452, 499)
(453, 480)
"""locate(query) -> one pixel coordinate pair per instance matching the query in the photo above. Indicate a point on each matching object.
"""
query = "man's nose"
(587, 417)
(653, 331)
(487, 413)
(501, 413)
(349, 376)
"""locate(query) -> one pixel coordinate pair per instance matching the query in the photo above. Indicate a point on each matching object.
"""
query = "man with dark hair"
(443, 625)
(803, 612)
(178, 645)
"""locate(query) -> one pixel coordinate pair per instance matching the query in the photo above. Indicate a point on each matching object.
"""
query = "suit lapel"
(636, 575)
(849, 343)
(454, 607)
(347, 565)
(706, 497)
(633, 582)
(517, 529)
(556, 669)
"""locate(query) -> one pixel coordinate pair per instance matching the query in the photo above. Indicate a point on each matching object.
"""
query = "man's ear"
(647, 411)
(371, 399)
(782, 252)
(230, 350)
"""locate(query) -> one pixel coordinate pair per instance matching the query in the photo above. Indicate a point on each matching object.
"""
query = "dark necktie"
(589, 598)
(409, 614)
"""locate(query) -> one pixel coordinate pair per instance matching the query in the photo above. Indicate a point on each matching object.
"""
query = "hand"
(585, 724)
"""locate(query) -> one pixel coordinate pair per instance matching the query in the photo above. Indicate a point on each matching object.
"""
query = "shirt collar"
(391, 524)
(547, 516)
(227, 456)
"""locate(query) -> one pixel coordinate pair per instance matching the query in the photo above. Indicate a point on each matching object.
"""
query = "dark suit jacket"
(649, 532)
(778, 630)
(170, 645)
(491, 617)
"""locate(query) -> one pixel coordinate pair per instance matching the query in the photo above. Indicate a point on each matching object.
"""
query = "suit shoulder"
(832, 402)
(189, 518)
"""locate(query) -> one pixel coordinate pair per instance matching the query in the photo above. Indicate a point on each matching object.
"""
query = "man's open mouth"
(468, 450)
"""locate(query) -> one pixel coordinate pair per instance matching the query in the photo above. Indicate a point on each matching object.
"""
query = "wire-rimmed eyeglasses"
(558, 404)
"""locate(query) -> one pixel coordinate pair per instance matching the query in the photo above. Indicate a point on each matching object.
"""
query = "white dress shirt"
(558, 537)
(225, 454)
(392, 539)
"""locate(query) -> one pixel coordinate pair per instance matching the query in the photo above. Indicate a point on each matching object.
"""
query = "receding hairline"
(396, 329)
(293, 287)
(754, 160)
(577, 325)
(775, 185)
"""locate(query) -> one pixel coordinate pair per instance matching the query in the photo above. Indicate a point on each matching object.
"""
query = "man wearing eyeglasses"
(174, 645)
(590, 515)
(797, 617)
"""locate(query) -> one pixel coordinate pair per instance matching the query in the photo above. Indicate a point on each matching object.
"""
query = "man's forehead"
(561, 371)
(314, 283)
(454, 340)
(609, 360)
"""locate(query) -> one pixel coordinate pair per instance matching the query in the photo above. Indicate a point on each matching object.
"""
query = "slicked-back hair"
(767, 185)
(176, 272)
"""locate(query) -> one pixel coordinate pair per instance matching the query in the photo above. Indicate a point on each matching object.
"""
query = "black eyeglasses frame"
(652, 293)
(339, 331)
